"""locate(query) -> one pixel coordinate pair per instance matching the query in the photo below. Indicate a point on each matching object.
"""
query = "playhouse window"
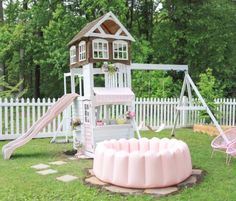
(82, 51)
(120, 50)
(100, 49)
(73, 54)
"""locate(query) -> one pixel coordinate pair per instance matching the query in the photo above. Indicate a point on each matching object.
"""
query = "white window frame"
(82, 51)
(100, 50)
(73, 56)
(121, 43)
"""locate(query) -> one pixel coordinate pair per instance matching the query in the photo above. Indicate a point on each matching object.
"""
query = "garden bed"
(208, 129)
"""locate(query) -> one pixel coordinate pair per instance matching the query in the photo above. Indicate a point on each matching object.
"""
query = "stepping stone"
(197, 172)
(66, 178)
(188, 182)
(40, 166)
(83, 157)
(95, 181)
(91, 172)
(46, 172)
(72, 158)
(57, 163)
(161, 191)
(116, 189)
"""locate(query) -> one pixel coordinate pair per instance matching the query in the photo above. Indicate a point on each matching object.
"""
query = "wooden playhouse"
(103, 111)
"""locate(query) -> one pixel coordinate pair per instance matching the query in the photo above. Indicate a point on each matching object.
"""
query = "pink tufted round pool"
(143, 163)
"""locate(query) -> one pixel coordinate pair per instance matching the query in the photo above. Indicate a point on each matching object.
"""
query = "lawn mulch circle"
(194, 179)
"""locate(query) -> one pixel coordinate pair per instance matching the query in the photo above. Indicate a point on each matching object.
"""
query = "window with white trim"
(82, 51)
(73, 58)
(100, 49)
(120, 50)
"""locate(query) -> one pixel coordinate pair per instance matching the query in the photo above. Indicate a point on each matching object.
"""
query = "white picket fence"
(17, 116)
(155, 111)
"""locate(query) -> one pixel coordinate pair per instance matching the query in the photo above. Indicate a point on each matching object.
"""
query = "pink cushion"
(143, 163)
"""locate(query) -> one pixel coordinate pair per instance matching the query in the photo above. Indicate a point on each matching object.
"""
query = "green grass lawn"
(20, 182)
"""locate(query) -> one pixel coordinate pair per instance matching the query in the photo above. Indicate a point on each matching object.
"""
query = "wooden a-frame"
(189, 85)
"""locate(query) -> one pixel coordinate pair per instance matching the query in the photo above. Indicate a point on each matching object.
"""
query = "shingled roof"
(83, 31)
(90, 27)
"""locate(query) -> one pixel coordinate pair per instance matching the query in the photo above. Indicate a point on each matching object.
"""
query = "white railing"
(17, 116)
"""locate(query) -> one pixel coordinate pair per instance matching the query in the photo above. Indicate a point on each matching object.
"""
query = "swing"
(162, 126)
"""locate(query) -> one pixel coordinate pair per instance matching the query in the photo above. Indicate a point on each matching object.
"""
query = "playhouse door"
(87, 126)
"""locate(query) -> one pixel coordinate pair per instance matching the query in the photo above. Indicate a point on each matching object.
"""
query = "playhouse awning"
(104, 96)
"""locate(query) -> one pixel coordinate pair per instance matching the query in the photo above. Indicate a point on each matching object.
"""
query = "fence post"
(185, 112)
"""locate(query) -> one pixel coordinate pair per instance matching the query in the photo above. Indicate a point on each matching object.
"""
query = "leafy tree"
(200, 34)
(55, 62)
(34, 37)
(10, 91)
(210, 89)
(154, 84)
(94, 9)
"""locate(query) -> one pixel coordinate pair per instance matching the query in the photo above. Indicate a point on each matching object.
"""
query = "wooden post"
(65, 90)
(72, 80)
(179, 104)
(207, 108)
(88, 80)
(185, 112)
(128, 67)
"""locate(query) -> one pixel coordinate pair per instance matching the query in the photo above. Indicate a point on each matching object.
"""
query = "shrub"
(210, 89)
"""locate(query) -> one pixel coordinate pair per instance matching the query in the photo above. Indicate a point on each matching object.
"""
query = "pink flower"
(130, 115)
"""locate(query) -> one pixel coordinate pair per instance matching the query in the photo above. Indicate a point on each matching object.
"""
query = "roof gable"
(106, 26)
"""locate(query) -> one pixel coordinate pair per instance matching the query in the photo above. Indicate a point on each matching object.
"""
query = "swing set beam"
(165, 67)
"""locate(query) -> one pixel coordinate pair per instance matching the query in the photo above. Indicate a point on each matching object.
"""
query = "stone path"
(40, 166)
(72, 158)
(91, 179)
(47, 171)
(44, 169)
(117, 189)
(161, 191)
(66, 178)
(57, 163)
(195, 178)
(95, 181)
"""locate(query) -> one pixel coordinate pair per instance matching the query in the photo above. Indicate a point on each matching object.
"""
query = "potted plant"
(100, 123)
(76, 122)
(109, 68)
(129, 115)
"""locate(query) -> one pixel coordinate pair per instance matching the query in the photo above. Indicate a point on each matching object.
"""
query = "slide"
(39, 125)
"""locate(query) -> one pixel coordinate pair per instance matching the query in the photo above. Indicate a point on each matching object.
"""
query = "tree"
(34, 37)
(61, 29)
(190, 32)
(1, 24)
(210, 89)
(10, 91)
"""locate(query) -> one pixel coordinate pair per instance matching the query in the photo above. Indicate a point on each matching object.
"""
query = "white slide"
(39, 125)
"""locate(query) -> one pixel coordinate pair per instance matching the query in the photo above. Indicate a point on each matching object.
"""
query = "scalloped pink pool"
(143, 163)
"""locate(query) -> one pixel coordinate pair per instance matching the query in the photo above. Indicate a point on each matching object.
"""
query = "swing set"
(188, 87)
